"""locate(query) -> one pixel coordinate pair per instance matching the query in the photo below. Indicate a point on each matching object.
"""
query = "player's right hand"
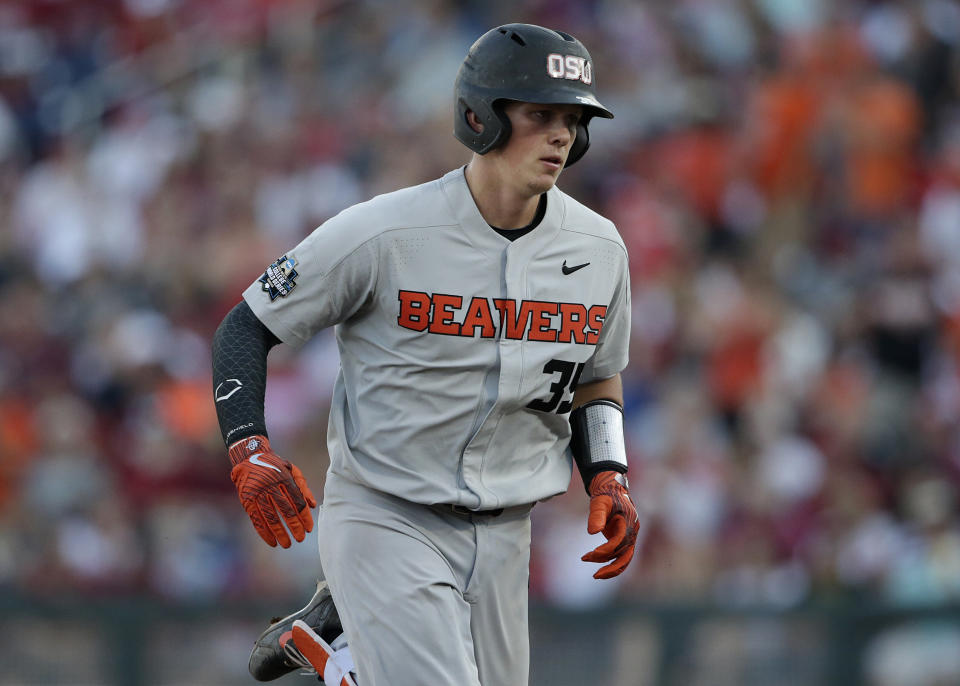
(269, 488)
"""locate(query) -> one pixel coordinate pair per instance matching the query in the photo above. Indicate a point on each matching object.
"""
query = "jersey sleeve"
(613, 345)
(326, 279)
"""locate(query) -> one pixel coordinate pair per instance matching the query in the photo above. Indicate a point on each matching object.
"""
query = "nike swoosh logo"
(571, 270)
(253, 458)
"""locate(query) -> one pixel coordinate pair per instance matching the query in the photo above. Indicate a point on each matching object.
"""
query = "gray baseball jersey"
(459, 349)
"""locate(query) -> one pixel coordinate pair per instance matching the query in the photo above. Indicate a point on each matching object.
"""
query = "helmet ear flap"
(496, 125)
(581, 143)
(503, 125)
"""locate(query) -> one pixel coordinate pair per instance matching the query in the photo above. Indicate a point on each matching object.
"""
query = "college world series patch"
(279, 278)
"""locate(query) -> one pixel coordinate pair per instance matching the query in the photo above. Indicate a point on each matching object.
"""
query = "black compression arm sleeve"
(240, 348)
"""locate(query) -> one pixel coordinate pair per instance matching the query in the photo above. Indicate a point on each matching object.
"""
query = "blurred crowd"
(785, 174)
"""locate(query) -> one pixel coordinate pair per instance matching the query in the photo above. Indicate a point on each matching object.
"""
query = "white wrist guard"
(597, 439)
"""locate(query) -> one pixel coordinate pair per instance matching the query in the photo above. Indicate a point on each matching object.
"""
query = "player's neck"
(500, 204)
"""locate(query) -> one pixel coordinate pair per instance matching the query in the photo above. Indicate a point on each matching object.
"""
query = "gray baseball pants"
(427, 597)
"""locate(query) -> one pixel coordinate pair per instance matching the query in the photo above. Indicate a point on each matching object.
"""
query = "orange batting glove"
(268, 484)
(613, 513)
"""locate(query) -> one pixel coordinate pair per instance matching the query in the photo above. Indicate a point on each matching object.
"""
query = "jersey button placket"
(471, 458)
(511, 349)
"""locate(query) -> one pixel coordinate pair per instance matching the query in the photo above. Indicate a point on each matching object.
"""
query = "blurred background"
(786, 176)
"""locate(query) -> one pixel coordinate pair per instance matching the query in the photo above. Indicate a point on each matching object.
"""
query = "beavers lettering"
(532, 320)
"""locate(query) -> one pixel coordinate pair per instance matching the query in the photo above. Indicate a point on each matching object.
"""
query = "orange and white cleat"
(274, 655)
(332, 661)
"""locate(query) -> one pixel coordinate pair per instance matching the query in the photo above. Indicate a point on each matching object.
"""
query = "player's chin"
(540, 185)
(545, 180)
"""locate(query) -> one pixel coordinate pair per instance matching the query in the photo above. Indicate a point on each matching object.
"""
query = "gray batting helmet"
(526, 63)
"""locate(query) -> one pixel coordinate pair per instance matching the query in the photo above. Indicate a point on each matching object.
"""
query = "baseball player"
(483, 321)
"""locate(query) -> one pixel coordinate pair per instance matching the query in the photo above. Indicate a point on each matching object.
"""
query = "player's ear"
(474, 121)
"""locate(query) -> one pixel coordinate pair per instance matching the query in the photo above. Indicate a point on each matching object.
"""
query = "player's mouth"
(553, 162)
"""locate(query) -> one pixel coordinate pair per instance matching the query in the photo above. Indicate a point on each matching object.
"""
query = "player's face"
(539, 143)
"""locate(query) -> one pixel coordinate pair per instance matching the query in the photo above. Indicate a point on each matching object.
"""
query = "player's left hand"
(613, 513)
(271, 488)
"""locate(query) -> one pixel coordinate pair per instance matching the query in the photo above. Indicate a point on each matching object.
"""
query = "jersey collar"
(467, 214)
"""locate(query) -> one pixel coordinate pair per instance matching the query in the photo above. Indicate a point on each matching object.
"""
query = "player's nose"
(561, 134)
